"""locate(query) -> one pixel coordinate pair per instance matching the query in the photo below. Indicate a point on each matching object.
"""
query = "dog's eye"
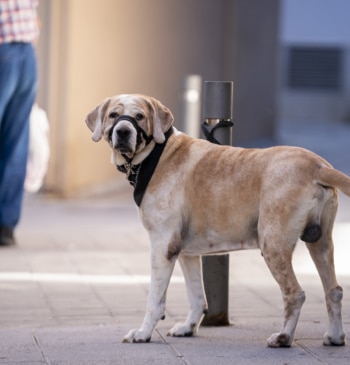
(113, 115)
(139, 116)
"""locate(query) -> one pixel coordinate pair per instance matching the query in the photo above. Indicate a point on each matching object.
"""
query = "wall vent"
(314, 68)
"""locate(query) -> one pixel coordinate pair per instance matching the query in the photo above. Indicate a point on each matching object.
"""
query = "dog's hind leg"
(192, 270)
(278, 256)
(162, 269)
(322, 255)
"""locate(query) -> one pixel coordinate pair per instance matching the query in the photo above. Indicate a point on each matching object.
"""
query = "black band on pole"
(208, 131)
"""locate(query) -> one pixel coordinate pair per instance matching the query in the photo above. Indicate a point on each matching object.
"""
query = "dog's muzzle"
(123, 134)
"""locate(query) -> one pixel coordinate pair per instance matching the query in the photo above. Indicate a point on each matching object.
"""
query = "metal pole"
(217, 113)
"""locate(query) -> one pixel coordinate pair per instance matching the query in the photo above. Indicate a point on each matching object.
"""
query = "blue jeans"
(18, 84)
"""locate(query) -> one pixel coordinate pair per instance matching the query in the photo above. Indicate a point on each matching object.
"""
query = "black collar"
(140, 175)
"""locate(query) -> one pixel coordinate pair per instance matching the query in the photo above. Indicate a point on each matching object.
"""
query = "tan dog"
(208, 199)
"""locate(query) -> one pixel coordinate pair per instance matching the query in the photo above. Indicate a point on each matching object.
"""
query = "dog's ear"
(94, 119)
(162, 119)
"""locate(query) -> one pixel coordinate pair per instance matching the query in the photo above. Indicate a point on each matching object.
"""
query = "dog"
(197, 198)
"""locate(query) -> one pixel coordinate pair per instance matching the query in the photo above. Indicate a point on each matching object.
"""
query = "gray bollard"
(217, 128)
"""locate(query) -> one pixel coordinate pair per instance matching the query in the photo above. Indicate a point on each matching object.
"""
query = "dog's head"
(129, 122)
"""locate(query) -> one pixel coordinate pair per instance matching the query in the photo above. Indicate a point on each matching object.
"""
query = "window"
(315, 68)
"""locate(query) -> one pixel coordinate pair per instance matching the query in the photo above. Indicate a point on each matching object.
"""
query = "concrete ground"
(77, 282)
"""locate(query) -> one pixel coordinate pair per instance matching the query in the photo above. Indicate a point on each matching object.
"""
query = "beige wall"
(93, 49)
(101, 48)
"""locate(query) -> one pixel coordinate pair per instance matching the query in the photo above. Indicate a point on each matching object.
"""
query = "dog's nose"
(123, 133)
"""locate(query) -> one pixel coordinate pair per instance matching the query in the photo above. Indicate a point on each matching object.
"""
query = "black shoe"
(6, 236)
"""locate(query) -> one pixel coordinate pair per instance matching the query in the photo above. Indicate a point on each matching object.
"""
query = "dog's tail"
(332, 177)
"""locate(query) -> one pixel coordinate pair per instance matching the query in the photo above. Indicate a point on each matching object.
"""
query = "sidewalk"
(77, 283)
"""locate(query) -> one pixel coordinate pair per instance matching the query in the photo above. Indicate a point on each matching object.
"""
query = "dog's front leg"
(192, 270)
(162, 269)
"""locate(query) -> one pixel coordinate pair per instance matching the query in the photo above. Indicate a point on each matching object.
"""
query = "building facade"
(315, 61)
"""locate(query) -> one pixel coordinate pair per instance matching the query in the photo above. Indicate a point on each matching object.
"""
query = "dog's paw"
(182, 330)
(137, 336)
(333, 340)
(279, 340)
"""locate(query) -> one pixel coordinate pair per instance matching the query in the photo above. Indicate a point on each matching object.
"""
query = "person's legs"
(18, 81)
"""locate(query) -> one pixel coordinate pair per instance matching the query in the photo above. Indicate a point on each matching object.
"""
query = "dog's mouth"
(123, 148)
